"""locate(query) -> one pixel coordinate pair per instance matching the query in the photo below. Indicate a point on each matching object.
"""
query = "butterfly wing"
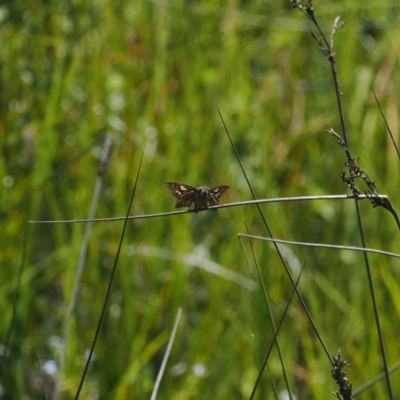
(185, 194)
(215, 194)
(186, 200)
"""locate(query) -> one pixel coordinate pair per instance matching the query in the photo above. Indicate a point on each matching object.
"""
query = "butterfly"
(199, 198)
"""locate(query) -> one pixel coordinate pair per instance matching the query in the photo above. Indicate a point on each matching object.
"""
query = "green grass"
(151, 74)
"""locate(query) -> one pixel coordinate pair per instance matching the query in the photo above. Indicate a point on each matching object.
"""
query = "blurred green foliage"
(151, 74)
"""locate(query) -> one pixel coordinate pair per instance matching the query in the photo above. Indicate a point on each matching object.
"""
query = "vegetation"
(151, 76)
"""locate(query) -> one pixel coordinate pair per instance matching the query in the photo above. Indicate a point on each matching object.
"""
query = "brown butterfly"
(199, 198)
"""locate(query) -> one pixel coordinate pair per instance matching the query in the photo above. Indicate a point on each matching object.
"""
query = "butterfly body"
(197, 198)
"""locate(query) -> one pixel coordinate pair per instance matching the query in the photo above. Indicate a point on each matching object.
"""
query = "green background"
(150, 74)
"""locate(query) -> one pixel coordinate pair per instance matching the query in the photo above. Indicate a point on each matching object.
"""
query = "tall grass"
(151, 74)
